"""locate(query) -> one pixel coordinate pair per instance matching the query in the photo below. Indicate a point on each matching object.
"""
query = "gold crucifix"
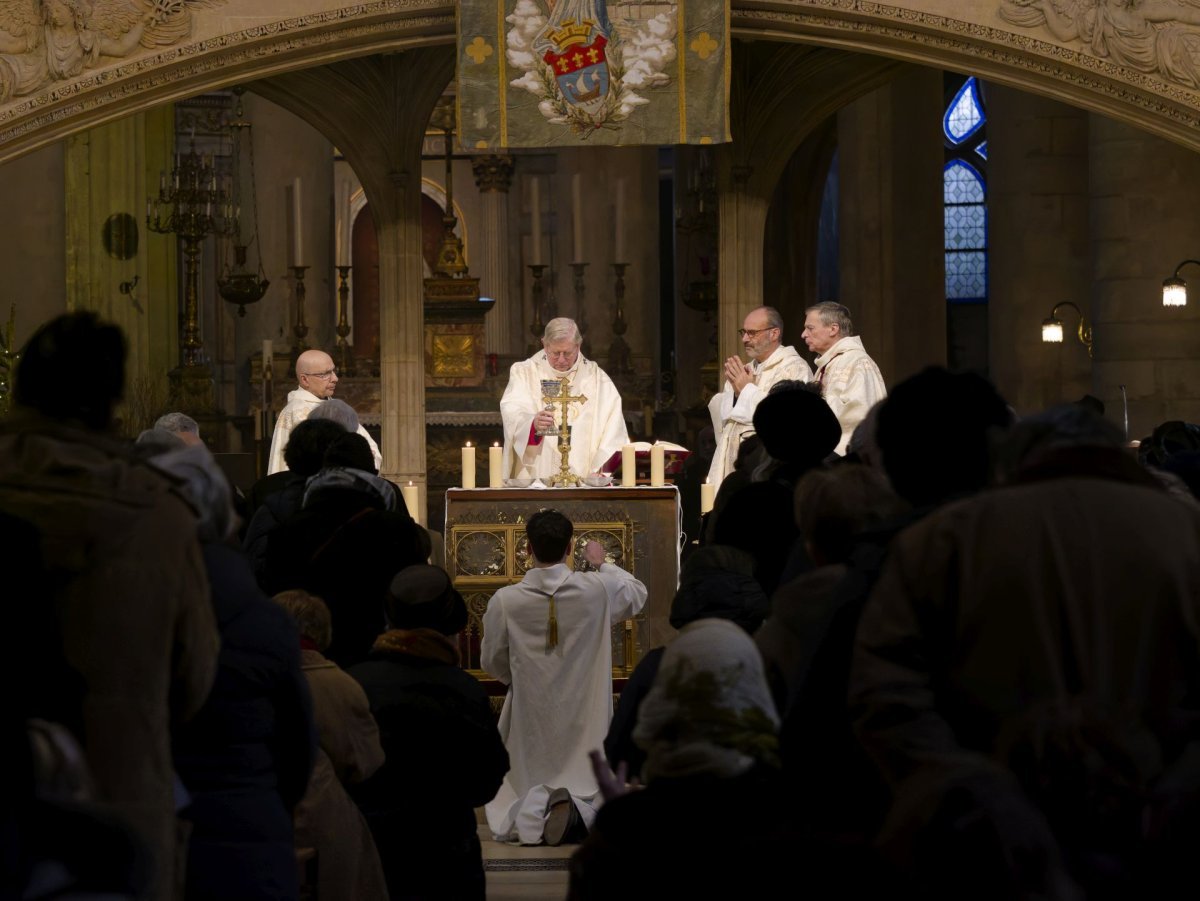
(564, 478)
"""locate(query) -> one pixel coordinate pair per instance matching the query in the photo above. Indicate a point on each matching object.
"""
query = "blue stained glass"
(982, 149)
(964, 116)
(966, 275)
(962, 183)
(966, 227)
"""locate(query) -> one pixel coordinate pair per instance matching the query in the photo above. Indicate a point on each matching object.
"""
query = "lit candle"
(268, 357)
(495, 466)
(658, 460)
(535, 213)
(619, 222)
(409, 492)
(577, 217)
(628, 466)
(297, 230)
(708, 493)
(468, 466)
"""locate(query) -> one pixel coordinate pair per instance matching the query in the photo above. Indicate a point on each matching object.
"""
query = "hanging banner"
(573, 73)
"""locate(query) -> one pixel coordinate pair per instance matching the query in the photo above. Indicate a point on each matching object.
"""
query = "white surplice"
(301, 402)
(733, 416)
(597, 426)
(559, 701)
(851, 384)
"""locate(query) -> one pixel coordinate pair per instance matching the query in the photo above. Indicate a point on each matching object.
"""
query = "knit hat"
(422, 597)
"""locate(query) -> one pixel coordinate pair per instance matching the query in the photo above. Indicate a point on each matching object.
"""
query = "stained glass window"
(964, 192)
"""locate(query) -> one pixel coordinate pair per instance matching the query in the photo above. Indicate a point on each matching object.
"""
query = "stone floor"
(516, 872)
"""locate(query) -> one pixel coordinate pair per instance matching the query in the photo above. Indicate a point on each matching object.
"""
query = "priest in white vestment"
(318, 380)
(850, 381)
(597, 425)
(732, 410)
(549, 638)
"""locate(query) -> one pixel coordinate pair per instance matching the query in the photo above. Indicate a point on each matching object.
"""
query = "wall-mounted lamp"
(1175, 288)
(1052, 328)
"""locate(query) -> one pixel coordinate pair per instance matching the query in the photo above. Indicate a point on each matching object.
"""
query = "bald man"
(318, 380)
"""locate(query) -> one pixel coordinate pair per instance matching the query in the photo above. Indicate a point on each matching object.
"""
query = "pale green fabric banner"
(571, 73)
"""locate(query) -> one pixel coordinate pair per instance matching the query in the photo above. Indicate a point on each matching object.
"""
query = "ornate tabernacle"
(486, 549)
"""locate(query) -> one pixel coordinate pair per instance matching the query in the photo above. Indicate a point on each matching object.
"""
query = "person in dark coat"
(278, 501)
(444, 756)
(345, 545)
(246, 756)
(717, 581)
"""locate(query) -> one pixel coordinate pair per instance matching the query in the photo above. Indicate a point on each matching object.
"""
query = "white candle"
(410, 499)
(268, 357)
(658, 460)
(343, 225)
(577, 217)
(297, 229)
(619, 223)
(535, 213)
(708, 494)
(495, 466)
(468, 466)
(628, 466)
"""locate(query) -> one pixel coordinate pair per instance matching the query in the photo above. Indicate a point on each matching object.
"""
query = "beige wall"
(33, 239)
(1039, 248)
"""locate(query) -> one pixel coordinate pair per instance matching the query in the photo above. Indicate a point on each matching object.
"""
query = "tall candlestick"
(468, 466)
(708, 494)
(268, 357)
(535, 213)
(619, 223)
(495, 466)
(628, 466)
(658, 468)
(577, 218)
(297, 227)
(409, 492)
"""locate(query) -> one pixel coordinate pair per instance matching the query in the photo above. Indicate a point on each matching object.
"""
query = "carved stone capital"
(493, 172)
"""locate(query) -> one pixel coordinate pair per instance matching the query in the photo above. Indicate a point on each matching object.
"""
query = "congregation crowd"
(950, 654)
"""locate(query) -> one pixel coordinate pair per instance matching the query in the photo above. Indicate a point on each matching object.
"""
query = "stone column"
(1038, 246)
(1144, 192)
(493, 177)
(743, 217)
(401, 332)
(890, 223)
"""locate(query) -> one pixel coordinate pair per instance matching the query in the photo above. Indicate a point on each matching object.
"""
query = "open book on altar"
(673, 457)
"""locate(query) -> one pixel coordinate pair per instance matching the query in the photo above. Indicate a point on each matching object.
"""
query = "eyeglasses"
(327, 374)
(753, 332)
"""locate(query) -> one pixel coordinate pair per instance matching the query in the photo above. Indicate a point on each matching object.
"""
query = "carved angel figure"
(1158, 37)
(42, 41)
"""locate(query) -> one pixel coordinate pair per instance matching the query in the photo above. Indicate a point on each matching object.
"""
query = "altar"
(639, 528)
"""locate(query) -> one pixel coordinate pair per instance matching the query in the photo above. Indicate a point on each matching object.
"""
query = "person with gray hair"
(850, 381)
(182, 426)
(338, 411)
(597, 424)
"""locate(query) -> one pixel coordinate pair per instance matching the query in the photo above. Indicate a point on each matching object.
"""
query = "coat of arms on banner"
(571, 71)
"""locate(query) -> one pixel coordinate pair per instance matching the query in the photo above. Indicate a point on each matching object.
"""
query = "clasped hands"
(738, 374)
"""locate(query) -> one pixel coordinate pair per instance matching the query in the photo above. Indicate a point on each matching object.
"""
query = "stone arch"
(980, 41)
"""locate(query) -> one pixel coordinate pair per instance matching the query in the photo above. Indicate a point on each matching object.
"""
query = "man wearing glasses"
(318, 380)
(746, 384)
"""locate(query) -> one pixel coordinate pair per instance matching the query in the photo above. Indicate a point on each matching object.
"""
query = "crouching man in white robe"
(549, 638)
(597, 425)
